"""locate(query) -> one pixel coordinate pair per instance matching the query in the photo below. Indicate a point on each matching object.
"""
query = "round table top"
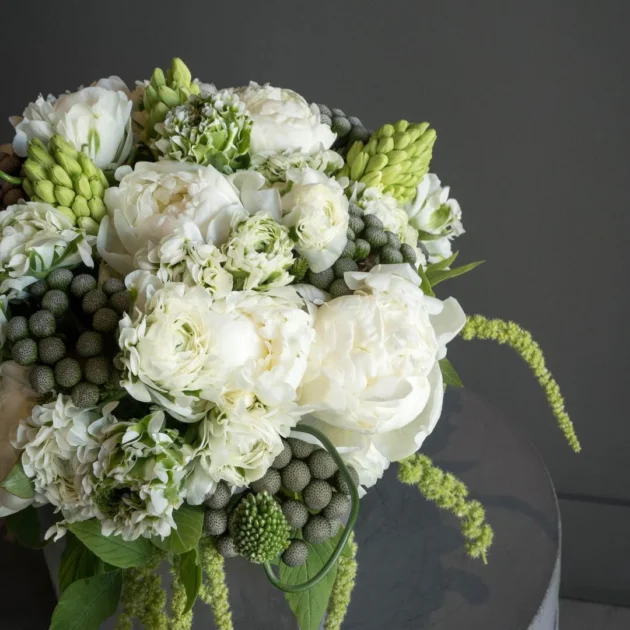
(413, 569)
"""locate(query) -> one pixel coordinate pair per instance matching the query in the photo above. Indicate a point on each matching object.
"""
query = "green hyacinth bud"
(82, 187)
(68, 164)
(97, 209)
(64, 196)
(88, 224)
(98, 190)
(179, 74)
(80, 207)
(59, 177)
(45, 190)
(38, 153)
(68, 214)
(34, 171)
(87, 167)
(61, 145)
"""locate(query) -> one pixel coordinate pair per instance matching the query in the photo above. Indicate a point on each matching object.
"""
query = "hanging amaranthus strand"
(214, 590)
(342, 589)
(506, 332)
(179, 619)
(450, 494)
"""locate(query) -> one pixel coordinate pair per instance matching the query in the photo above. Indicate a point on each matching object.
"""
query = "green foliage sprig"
(214, 591)
(521, 341)
(343, 587)
(450, 494)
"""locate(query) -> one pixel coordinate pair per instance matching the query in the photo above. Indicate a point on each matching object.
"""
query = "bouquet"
(219, 326)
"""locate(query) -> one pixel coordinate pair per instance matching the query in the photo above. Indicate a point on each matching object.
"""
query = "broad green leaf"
(442, 264)
(24, 525)
(190, 575)
(112, 549)
(17, 483)
(87, 603)
(189, 521)
(309, 607)
(446, 274)
(426, 285)
(449, 374)
(77, 563)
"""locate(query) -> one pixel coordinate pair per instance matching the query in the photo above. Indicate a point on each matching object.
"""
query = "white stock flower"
(283, 120)
(136, 485)
(391, 214)
(17, 400)
(155, 199)
(436, 217)
(374, 380)
(59, 451)
(259, 254)
(36, 238)
(184, 256)
(95, 119)
(237, 445)
(316, 211)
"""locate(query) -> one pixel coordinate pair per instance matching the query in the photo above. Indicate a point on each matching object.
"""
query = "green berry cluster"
(369, 243)
(349, 129)
(65, 331)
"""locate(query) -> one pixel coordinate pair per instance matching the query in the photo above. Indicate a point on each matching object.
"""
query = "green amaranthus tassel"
(214, 590)
(506, 332)
(179, 619)
(450, 494)
(342, 589)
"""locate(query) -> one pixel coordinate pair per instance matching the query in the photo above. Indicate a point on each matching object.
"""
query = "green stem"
(354, 513)
(9, 178)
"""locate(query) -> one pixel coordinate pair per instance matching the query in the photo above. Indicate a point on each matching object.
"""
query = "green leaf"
(24, 525)
(309, 607)
(112, 549)
(17, 483)
(439, 276)
(77, 563)
(190, 575)
(189, 521)
(442, 264)
(425, 285)
(449, 374)
(86, 604)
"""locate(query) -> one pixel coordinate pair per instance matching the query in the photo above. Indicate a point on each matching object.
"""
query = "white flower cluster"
(228, 346)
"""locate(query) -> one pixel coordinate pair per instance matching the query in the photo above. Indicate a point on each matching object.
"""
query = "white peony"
(316, 211)
(184, 256)
(236, 445)
(95, 119)
(34, 239)
(373, 381)
(59, 451)
(259, 254)
(155, 199)
(283, 120)
(136, 482)
(17, 399)
(436, 217)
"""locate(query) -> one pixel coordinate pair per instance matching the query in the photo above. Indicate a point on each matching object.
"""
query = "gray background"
(531, 103)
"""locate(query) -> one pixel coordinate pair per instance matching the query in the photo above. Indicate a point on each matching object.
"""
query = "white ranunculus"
(391, 214)
(136, 482)
(155, 199)
(95, 119)
(437, 218)
(373, 378)
(237, 445)
(36, 238)
(17, 399)
(316, 211)
(283, 120)
(259, 254)
(58, 452)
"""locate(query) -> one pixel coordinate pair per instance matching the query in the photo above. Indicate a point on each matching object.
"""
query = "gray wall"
(531, 102)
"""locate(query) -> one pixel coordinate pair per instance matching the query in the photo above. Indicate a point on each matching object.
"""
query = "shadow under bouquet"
(219, 328)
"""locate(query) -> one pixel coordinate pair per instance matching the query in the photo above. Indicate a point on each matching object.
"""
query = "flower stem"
(342, 589)
(354, 513)
(215, 592)
(521, 341)
(10, 178)
(450, 494)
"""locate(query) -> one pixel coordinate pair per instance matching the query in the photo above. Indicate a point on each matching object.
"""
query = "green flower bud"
(38, 153)
(168, 96)
(68, 164)
(80, 207)
(64, 196)
(59, 177)
(88, 224)
(97, 209)
(98, 190)
(45, 190)
(179, 74)
(82, 187)
(86, 166)
(68, 214)
(60, 144)
(34, 171)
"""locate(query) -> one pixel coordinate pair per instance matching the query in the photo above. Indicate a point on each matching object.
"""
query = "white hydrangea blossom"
(391, 214)
(137, 478)
(59, 448)
(36, 238)
(259, 254)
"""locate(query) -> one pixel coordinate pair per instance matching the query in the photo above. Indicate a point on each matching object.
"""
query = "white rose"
(283, 120)
(36, 238)
(95, 119)
(437, 218)
(155, 199)
(17, 399)
(316, 210)
(374, 379)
